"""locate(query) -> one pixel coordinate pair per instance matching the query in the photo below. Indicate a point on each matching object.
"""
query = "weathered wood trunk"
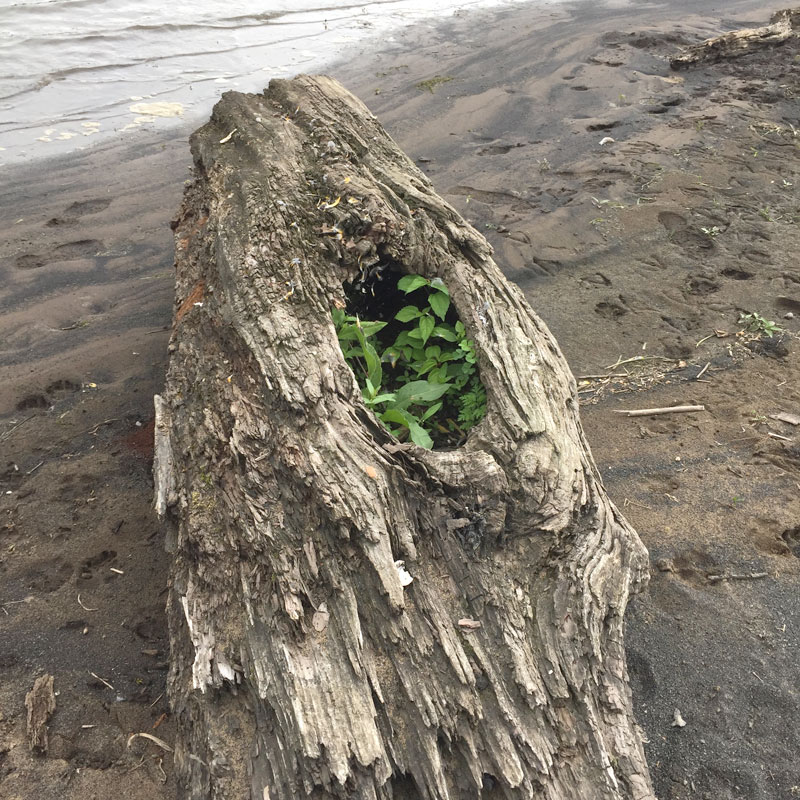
(783, 25)
(301, 665)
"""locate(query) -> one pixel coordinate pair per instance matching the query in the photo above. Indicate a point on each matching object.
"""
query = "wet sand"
(635, 249)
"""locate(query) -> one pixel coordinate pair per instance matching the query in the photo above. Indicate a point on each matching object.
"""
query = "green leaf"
(460, 329)
(395, 415)
(374, 368)
(438, 284)
(347, 332)
(445, 332)
(420, 392)
(417, 433)
(420, 436)
(392, 355)
(439, 303)
(409, 283)
(407, 313)
(379, 400)
(433, 352)
(351, 352)
(430, 412)
(426, 366)
(438, 375)
(371, 328)
(426, 326)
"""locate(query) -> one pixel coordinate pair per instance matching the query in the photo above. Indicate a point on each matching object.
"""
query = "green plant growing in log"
(424, 384)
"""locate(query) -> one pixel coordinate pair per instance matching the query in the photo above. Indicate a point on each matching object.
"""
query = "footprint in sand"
(83, 248)
(83, 207)
(72, 213)
(792, 538)
(53, 391)
(610, 309)
(48, 575)
(91, 564)
(736, 274)
(700, 285)
(681, 234)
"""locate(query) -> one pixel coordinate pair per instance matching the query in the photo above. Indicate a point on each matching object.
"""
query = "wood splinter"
(646, 412)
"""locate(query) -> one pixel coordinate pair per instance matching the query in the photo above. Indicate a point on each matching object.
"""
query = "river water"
(76, 71)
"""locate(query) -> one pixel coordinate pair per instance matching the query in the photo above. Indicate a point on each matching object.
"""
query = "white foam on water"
(124, 64)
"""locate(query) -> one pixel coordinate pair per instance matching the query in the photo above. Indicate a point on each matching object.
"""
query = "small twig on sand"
(140, 764)
(778, 436)
(732, 576)
(620, 360)
(702, 371)
(628, 502)
(85, 608)
(160, 742)
(99, 425)
(14, 602)
(704, 339)
(103, 681)
(11, 430)
(159, 720)
(646, 412)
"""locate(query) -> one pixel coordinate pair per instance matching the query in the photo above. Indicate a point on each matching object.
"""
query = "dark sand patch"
(643, 246)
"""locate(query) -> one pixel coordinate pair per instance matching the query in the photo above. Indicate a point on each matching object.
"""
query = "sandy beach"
(642, 211)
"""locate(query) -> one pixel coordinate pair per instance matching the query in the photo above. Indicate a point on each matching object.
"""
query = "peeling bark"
(783, 25)
(301, 664)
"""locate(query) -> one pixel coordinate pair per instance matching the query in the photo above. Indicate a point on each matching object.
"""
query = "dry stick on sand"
(11, 430)
(732, 576)
(620, 360)
(646, 412)
(160, 742)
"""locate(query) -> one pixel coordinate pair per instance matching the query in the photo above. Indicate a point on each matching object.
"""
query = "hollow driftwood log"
(783, 25)
(302, 666)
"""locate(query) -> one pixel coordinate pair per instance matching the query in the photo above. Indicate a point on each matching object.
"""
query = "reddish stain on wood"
(195, 296)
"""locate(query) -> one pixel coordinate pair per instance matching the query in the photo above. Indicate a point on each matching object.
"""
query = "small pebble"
(788, 315)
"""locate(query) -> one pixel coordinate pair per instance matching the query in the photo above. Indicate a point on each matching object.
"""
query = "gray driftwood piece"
(41, 703)
(302, 667)
(783, 25)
